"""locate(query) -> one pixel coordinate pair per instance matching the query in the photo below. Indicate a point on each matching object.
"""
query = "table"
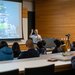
(21, 64)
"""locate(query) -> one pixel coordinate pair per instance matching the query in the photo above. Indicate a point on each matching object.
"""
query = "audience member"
(58, 46)
(73, 46)
(41, 47)
(5, 52)
(62, 42)
(73, 61)
(3, 44)
(35, 36)
(31, 52)
(16, 49)
(63, 46)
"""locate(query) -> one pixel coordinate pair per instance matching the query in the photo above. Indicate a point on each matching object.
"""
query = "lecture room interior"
(53, 18)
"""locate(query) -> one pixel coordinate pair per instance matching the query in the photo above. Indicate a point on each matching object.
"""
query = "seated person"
(63, 46)
(73, 61)
(31, 52)
(41, 47)
(6, 53)
(73, 46)
(16, 49)
(58, 46)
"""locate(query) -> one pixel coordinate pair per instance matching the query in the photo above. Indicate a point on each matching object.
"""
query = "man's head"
(36, 31)
(29, 43)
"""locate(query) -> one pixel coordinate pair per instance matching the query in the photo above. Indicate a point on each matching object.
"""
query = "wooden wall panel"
(55, 18)
(25, 13)
(22, 47)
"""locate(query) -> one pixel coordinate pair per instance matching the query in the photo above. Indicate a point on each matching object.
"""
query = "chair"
(44, 70)
(11, 72)
(66, 72)
(49, 42)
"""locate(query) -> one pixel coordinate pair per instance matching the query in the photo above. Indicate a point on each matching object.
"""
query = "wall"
(55, 18)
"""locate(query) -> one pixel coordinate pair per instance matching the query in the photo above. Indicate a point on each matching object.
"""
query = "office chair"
(10, 72)
(49, 42)
(44, 70)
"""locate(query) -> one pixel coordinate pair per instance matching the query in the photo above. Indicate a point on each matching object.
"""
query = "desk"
(21, 64)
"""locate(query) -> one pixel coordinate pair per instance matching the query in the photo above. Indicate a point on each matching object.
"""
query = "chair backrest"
(44, 70)
(49, 42)
(11, 72)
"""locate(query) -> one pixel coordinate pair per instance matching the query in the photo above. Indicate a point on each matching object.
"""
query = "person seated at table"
(63, 46)
(31, 52)
(16, 49)
(6, 53)
(73, 60)
(58, 47)
(73, 46)
(41, 47)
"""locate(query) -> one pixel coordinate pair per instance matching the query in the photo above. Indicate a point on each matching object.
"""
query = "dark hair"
(73, 43)
(16, 49)
(41, 47)
(15, 46)
(57, 42)
(3, 44)
(62, 42)
(41, 44)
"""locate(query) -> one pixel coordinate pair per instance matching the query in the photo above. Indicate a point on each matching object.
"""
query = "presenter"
(35, 36)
